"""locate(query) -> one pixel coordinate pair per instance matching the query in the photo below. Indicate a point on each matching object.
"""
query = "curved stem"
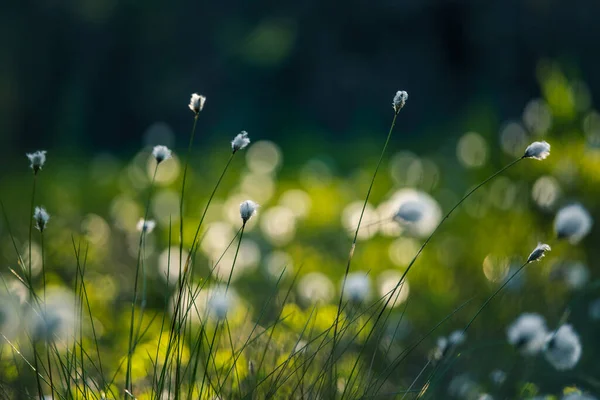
(362, 212)
(462, 200)
(493, 295)
(237, 250)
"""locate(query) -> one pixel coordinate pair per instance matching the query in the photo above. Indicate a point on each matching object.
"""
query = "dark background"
(90, 74)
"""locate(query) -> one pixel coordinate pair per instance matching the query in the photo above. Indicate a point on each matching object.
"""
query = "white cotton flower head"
(410, 212)
(146, 226)
(563, 348)
(577, 275)
(498, 377)
(537, 150)
(572, 222)
(197, 103)
(399, 100)
(538, 253)
(528, 333)
(457, 338)
(247, 210)
(444, 344)
(41, 218)
(37, 160)
(441, 348)
(417, 212)
(463, 387)
(358, 287)
(161, 153)
(240, 141)
(219, 303)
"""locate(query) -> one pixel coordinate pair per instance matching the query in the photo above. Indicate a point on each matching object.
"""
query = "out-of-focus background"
(96, 83)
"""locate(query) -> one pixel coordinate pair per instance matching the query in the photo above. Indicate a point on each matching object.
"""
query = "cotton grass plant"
(198, 337)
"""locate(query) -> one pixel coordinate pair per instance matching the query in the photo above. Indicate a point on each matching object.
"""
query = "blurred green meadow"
(287, 270)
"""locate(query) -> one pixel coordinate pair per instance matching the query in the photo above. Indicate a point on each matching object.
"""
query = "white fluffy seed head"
(37, 160)
(563, 348)
(457, 338)
(410, 212)
(41, 218)
(441, 349)
(247, 210)
(358, 287)
(197, 103)
(538, 253)
(537, 150)
(418, 213)
(572, 222)
(528, 333)
(240, 141)
(399, 100)
(146, 226)
(161, 153)
(219, 303)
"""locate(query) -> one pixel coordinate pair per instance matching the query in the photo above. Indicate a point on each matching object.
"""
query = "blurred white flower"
(457, 338)
(219, 303)
(417, 212)
(572, 222)
(358, 287)
(197, 103)
(37, 160)
(577, 275)
(55, 319)
(578, 396)
(315, 287)
(537, 150)
(441, 348)
(399, 100)
(240, 141)
(563, 348)
(247, 210)
(410, 212)
(538, 253)
(463, 387)
(528, 333)
(147, 226)
(444, 344)
(41, 218)
(498, 376)
(161, 153)
(594, 309)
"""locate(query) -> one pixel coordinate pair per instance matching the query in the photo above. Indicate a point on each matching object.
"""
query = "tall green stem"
(128, 378)
(362, 212)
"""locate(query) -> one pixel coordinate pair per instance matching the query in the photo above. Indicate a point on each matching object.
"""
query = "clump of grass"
(197, 344)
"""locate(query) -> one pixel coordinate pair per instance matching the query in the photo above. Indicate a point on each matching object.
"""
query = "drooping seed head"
(537, 150)
(538, 253)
